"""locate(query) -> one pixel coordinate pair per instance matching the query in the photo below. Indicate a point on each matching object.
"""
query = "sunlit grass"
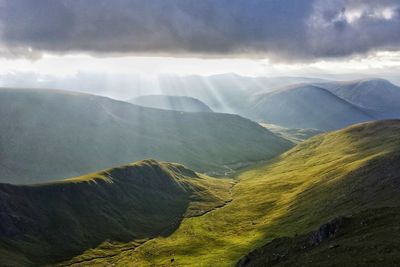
(305, 187)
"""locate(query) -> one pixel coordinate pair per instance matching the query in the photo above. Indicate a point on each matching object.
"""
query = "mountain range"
(81, 133)
(311, 179)
(229, 92)
(326, 106)
(295, 107)
(294, 102)
(378, 96)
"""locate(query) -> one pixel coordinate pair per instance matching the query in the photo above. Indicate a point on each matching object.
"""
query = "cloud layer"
(300, 30)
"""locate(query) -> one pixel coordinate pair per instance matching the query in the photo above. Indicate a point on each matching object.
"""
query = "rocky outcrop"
(327, 231)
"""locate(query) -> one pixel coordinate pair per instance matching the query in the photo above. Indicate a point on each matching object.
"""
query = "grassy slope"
(367, 238)
(58, 134)
(329, 175)
(56, 221)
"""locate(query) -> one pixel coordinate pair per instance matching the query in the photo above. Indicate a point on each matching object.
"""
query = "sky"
(57, 39)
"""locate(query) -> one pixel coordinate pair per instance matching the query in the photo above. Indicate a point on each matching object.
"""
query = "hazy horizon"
(130, 44)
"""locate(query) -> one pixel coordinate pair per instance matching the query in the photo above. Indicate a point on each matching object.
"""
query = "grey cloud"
(341, 35)
(280, 29)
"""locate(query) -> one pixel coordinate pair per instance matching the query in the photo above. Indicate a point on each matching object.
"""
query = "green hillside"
(50, 135)
(330, 175)
(367, 238)
(52, 222)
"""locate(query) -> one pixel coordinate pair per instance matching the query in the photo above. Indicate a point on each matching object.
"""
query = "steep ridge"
(305, 106)
(328, 176)
(52, 222)
(178, 103)
(48, 135)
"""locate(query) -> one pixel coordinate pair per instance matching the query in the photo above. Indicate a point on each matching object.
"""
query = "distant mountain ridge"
(50, 134)
(169, 102)
(378, 96)
(326, 106)
(264, 99)
(226, 92)
(305, 106)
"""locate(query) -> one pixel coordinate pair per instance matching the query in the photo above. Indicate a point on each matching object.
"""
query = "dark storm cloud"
(359, 26)
(281, 29)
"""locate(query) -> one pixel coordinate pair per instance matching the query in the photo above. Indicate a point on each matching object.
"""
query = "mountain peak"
(376, 82)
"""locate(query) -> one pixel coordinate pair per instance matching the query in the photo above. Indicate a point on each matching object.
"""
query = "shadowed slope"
(305, 106)
(52, 222)
(380, 97)
(48, 135)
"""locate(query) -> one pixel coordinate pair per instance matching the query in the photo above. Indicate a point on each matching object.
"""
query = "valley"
(292, 195)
